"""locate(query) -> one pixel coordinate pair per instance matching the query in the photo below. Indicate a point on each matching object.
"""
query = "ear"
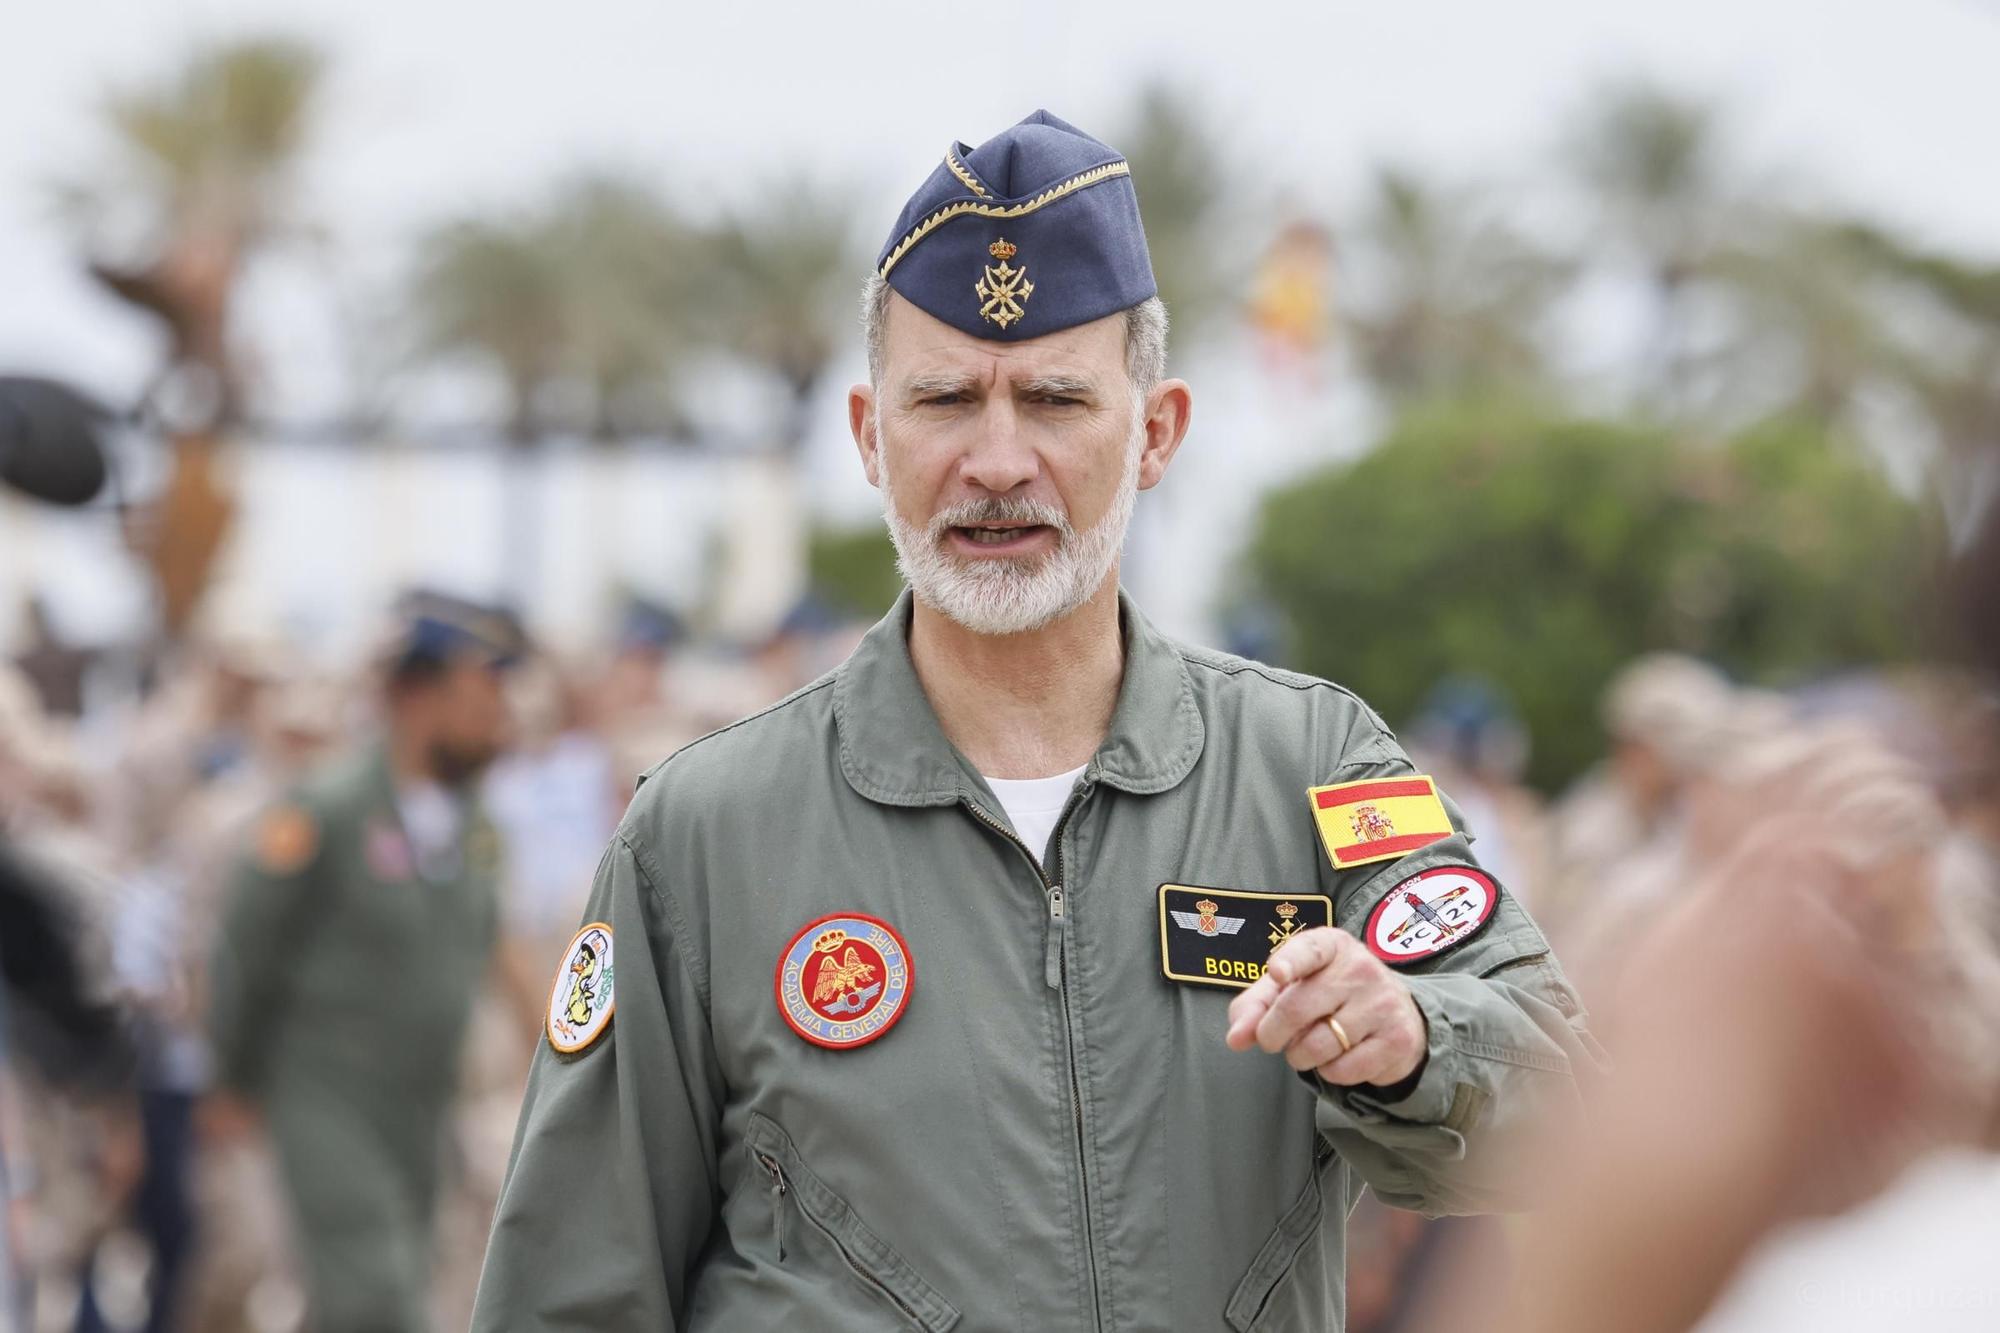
(861, 421)
(1167, 412)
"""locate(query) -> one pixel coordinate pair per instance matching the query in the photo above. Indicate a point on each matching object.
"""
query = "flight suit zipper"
(1056, 974)
(780, 1187)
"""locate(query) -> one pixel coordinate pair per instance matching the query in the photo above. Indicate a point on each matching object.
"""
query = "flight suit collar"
(893, 750)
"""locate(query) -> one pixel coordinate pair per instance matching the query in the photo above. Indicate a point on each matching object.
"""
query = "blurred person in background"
(1662, 714)
(1467, 737)
(1011, 788)
(68, 1130)
(198, 727)
(1824, 1000)
(358, 931)
(243, 1276)
(555, 796)
(642, 704)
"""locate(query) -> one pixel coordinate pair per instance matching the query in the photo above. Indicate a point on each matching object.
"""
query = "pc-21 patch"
(1223, 937)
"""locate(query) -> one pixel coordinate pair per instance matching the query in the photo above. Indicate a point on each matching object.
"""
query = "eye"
(943, 400)
(1059, 400)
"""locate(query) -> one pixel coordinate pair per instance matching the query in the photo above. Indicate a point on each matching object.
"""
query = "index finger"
(1302, 956)
(1247, 1010)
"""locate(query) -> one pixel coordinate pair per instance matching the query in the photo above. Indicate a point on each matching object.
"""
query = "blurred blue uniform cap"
(432, 628)
(1035, 230)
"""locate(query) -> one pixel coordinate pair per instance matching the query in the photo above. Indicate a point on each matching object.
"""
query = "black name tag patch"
(1222, 937)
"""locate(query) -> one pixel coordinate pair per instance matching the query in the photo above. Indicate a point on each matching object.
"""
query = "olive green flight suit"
(1053, 1134)
(342, 985)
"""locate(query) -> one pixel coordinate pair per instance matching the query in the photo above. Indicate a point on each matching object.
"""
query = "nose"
(1001, 457)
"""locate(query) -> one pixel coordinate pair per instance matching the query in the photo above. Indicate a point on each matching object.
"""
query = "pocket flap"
(867, 1252)
(1280, 1251)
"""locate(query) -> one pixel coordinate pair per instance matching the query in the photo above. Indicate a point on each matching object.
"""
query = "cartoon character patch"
(1430, 913)
(581, 1004)
(844, 980)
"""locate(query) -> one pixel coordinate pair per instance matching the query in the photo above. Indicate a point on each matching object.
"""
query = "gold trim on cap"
(1042, 200)
(965, 178)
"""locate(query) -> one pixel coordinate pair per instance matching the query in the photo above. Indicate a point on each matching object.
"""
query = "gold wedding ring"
(1341, 1033)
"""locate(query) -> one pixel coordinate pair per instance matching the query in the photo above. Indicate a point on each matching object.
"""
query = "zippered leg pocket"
(866, 1255)
(1281, 1249)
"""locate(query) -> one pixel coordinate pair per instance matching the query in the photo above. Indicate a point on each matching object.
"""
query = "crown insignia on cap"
(1287, 910)
(1207, 907)
(1003, 290)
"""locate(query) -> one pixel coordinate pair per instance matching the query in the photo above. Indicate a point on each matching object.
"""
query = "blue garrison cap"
(1035, 230)
(432, 628)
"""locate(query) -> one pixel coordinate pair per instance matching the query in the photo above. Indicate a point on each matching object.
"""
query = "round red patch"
(1431, 912)
(844, 980)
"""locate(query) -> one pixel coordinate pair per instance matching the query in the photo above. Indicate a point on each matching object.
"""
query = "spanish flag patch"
(1378, 819)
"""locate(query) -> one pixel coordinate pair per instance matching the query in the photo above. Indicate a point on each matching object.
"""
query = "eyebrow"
(932, 385)
(1057, 386)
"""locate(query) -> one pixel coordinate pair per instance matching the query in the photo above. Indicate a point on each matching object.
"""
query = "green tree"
(1655, 162)
(778, 286)
(1545, 552)
(627, 266)
(201, 179)
(854, 568)
(493, 289)
(1181, 174)
(1950, 361)
(591, 290)
(1811, 335)
(1454, 299)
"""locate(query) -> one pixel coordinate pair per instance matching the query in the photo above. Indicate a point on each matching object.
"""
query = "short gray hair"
(1145, 336)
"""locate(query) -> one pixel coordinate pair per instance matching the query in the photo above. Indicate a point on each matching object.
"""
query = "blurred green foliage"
(1549, 550)
(854, 569)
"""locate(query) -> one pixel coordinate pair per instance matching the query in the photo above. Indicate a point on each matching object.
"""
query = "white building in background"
(326, 533)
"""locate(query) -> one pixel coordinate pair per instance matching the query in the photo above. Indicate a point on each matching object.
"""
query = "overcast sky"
(438, 108)
(444, 106)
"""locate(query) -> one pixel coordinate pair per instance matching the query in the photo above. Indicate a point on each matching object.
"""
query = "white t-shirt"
(1033, 805)
(430, 818)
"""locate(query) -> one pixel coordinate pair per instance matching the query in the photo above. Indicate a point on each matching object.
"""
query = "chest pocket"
(799, 1196)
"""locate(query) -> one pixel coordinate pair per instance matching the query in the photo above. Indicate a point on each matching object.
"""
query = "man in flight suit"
(352, 945)
(1031, 970)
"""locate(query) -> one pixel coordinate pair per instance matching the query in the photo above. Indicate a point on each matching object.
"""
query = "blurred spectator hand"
(1781, 1054)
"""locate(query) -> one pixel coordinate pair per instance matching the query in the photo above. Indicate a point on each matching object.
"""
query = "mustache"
(1000, 509)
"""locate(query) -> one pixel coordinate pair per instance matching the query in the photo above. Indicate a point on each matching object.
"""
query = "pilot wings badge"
(1204, 920)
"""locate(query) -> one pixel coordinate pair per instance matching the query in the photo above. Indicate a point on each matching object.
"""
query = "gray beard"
(1011, 596)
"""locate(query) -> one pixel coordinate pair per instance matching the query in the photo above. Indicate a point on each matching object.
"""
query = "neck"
(1026, 705)
(409, 759)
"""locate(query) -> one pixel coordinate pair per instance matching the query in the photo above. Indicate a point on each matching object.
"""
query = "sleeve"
(614, 1182)
(1509, 1053)
(268, 895)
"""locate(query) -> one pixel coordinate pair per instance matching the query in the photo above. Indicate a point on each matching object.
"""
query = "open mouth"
(1000, 537)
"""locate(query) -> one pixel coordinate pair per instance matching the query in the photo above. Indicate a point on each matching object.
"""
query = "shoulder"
(746, 756)
(295, 823)
(1261, 698)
